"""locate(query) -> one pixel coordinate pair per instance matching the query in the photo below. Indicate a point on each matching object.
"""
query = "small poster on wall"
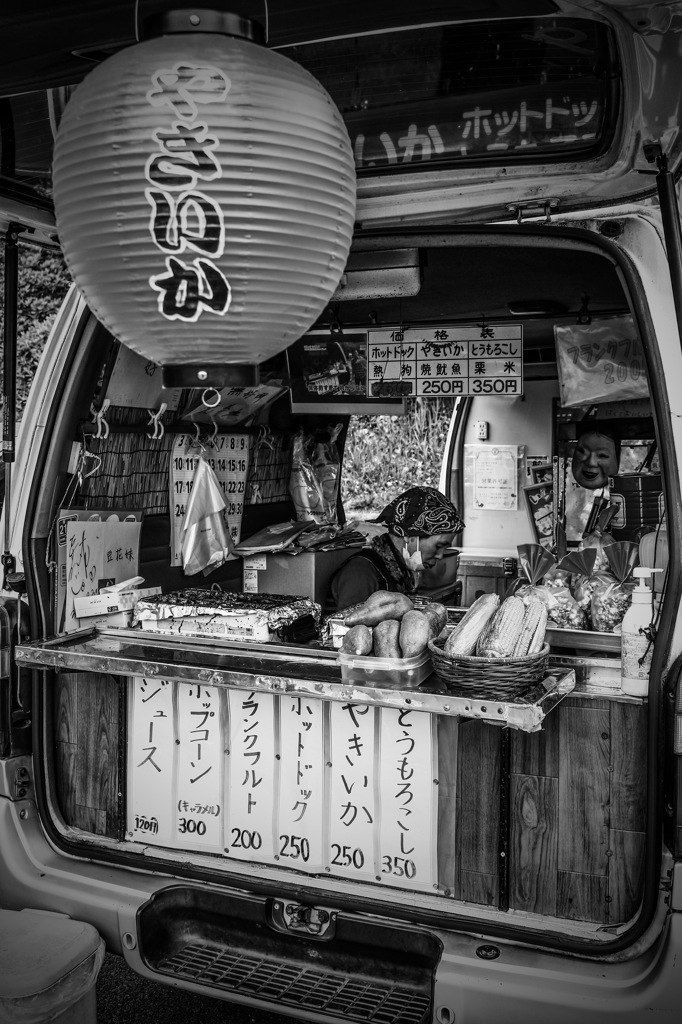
(494, 470)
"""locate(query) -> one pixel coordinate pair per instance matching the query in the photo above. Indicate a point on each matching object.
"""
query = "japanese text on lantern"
(184, 216)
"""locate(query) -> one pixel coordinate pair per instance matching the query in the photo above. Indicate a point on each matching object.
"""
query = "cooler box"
(482, 573)
(48, 968)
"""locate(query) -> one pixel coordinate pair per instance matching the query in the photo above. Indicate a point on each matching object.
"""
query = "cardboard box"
(112, 609)
(306, 575)
(71, 515)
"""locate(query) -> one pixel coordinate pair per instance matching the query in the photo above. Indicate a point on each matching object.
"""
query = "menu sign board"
(342, 788)
(446, 361)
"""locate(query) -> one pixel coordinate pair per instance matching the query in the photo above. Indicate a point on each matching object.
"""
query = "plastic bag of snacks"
(584, 578)
(535, 562)
(550, 584)
(314, 481)
(612, 598)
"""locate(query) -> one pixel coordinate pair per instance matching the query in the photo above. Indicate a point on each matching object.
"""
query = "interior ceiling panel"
(50, 43)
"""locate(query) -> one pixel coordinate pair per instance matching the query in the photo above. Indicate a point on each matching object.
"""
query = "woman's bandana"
(421, 512)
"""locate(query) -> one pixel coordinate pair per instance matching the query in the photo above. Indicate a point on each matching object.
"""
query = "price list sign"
(228, 457)
(446, 362)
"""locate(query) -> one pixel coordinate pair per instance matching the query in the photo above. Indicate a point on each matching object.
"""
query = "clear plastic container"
(385, 673)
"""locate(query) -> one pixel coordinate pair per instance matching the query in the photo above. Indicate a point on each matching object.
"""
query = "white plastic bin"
(48, 968)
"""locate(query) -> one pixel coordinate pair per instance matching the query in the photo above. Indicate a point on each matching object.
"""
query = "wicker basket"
(490, 678)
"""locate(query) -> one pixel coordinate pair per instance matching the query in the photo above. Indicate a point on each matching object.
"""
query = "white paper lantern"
(204, 190)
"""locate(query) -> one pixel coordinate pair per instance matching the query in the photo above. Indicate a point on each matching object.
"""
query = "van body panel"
(556, 891)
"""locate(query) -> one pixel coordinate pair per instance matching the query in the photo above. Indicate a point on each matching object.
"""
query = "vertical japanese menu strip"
(408, 827)
(353, 799)
(251, 776)
(228, 457)
(302, 797)
(151, 762)
(199, 804)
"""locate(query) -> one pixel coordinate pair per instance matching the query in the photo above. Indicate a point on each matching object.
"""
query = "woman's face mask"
(413, 559)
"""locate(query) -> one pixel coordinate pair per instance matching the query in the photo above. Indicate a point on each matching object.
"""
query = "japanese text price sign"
(438, 362)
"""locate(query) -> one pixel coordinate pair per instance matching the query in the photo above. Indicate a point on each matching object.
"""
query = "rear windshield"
(522, 90)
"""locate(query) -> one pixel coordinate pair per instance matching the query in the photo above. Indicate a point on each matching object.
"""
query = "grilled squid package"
(257, 618)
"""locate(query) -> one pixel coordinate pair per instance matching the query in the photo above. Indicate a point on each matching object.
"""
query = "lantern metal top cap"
(200, 19)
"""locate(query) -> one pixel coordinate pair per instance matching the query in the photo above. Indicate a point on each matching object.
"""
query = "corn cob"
(463, 638)
(505, 627)
(532, 635)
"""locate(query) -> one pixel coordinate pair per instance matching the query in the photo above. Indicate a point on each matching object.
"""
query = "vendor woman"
(419, 527)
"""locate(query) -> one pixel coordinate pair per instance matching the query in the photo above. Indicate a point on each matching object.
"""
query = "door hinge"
(297, 917)
(533, 208)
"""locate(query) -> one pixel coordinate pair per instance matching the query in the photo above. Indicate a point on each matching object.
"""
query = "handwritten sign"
(306, 784)
(97, 554)
(199, 800)
(228, 457)
(151, 762)
(446, 361)
(408, 799)
(353, 806)
(602, 361)
(250, 832)
(302, 796)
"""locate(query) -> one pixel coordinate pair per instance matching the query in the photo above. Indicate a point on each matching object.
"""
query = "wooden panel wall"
(87, 751)
(577, 813)
(576, 800)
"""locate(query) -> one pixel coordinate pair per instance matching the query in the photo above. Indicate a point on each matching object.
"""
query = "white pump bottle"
(637, 648)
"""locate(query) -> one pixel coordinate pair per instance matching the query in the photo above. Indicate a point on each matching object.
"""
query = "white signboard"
(251, 762)
(98, 554)
(486, 359)
(199, 803)
(310, 785)
(151, 762)
(301, 795)
(228, 457)
(353, 804)
(408, 828)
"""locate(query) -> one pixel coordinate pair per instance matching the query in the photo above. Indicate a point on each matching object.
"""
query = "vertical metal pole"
(9, 383)
(504, 824)
(670, 215)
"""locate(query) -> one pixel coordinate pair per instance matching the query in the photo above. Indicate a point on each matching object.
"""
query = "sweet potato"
(437, 615)
(415, 629)
(358, 640)
(386, 639)
(382, 604)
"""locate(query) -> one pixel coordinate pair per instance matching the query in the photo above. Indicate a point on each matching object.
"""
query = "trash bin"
(48, 968)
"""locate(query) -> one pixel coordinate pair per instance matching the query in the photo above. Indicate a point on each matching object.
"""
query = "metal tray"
(273, 668)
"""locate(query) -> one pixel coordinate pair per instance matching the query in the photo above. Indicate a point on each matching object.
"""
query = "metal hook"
(155, 421)
(211, 405)
(264, 437)
(196, 440)
(98, 418)
(213, 436)
(97, 460)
